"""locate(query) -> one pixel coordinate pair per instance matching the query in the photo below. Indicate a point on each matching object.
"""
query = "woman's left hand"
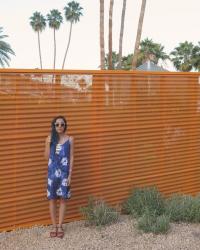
(69, 180)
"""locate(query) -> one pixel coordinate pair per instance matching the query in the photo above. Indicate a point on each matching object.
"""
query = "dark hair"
(54, 134)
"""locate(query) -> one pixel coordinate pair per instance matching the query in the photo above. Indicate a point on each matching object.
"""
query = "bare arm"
(71, 155)
(47, 147)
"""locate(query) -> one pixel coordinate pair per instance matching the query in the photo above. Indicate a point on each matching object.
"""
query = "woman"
(59, 152)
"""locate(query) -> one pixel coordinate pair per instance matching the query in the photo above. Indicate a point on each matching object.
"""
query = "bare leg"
(62, 209)
(60, 232)
(52, 208)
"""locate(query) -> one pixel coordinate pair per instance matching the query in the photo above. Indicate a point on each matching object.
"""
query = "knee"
(62, 201)
(52, 201)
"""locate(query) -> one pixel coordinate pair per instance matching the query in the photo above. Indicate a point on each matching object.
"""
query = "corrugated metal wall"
(130, 129)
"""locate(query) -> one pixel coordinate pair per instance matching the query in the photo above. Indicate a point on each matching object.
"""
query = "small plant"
(98, 213)
(142, 199)
(162, 224)
(182, 208)
(196, 208)
(150, 222)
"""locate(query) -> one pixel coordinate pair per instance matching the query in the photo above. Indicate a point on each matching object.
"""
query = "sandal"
(54, 232)
(60, 234)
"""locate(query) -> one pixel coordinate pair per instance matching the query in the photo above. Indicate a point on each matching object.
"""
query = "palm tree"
(150, 51)
(139, 32)
(183, 56)
(102, 47)
(38, 23)
(110, 35)
(5, 50)
(72, 15)
(196, 57)
(121, 34)
(55, 19)
(127, 62)
(115, 57)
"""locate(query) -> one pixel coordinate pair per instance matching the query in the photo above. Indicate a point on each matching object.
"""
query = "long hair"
(54, 134)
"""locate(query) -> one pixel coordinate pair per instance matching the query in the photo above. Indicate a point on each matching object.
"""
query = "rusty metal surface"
(130, 129)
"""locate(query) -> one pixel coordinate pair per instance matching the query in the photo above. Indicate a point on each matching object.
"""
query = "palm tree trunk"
(39, 50)
(110, 64)
(139, 32)
(121, 35)
(70, 32)
(54, 61)
(102, 49)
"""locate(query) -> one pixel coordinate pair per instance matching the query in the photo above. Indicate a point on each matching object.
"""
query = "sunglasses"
(59, 124)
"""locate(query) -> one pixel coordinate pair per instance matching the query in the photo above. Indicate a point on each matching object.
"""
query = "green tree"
(5, 50)
(38, 24)
(73, 11)
(150, 50)
(139, 33)
(115, 57)
(127, 62)
(54, 19)
(183, 56)
(196, 57)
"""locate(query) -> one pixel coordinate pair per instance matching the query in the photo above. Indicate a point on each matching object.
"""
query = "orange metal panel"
(130, 128)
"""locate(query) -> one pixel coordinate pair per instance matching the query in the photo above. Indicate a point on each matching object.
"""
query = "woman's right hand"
(47, 147)
(48, 139)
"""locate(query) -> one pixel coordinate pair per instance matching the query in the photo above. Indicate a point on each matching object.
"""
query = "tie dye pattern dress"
(58, 171)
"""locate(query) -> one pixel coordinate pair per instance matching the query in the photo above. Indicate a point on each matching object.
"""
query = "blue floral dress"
(58, 171)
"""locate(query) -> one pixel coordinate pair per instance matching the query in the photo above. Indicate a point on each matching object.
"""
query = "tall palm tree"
(121, 34)
(110, 35)
(54, 19)
(38, 24)
(102, 47)
(183, 56)
(5, 50)
(139, 32)
(72, 15)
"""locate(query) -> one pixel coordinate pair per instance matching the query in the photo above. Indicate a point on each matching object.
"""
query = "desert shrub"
(196, 209)
(150, 222)
(142, 199)
(181, 208)
(98, 213)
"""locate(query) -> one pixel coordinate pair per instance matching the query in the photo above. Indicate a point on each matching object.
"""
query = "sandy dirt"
(123, 235)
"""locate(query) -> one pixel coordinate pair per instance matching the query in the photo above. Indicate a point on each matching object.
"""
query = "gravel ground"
(123, 236)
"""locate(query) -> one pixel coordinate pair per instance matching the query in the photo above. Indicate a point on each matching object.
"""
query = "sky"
(168, 22)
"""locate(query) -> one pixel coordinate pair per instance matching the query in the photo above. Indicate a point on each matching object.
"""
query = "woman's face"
(59, 125)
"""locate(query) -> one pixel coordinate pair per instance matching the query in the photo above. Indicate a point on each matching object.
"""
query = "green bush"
(98, 213)
(142, 199)
(181, 208)
(153, 211)
(196, 209)
(150, 222)
(162, 224)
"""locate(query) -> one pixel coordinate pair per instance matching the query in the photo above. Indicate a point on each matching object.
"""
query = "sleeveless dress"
(58, 171)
